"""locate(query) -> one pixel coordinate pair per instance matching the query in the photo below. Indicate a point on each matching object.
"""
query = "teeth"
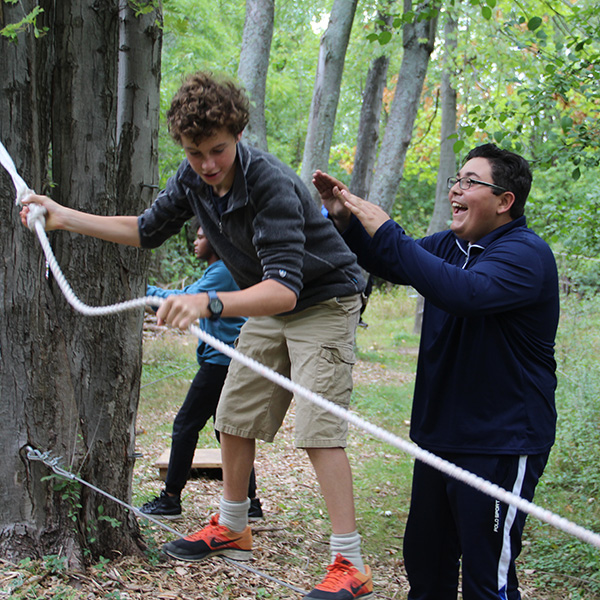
(457, 205)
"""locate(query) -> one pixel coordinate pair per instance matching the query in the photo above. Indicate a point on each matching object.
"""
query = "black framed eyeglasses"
(466, 182)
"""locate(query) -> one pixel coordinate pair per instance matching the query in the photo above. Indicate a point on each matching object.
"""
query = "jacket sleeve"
(278, 225)
(509, 274)
(167, 215)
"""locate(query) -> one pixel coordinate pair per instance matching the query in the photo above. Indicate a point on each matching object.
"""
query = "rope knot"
(36, 213)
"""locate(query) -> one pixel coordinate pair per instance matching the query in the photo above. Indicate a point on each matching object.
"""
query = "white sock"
(234, 515)
(348, 545)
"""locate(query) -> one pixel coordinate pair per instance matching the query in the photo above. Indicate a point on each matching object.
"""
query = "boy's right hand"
(54, 211)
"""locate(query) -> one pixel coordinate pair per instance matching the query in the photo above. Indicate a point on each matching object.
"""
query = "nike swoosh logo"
(216, 543)
(355, 588)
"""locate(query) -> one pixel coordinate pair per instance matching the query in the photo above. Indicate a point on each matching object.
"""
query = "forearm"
(118, 229)
(268, 297)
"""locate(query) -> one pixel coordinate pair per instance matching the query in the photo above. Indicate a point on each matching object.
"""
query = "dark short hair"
(510, 171)
(205, 103)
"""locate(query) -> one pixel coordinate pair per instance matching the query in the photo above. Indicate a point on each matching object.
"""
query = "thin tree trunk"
(447, 167)
(332, 54)
(254, 64)
(418, 41)
(369, 122)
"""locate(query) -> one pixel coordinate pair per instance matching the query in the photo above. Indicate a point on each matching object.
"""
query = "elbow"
(289, 301)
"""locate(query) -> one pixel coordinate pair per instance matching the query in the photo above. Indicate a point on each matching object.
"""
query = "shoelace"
(210, 530)
(335, 575)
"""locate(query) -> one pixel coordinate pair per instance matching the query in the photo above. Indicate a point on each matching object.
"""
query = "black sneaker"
(255, 512)
(164, 506)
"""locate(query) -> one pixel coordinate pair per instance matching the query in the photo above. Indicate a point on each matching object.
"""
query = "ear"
(505, 202)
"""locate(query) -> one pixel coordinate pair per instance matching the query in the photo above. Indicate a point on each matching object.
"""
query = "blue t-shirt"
(218, 278)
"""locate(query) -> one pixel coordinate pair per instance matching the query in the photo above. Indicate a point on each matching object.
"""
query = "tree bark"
(69, 384)
(447, 167)
(369, 122)
(330, 67)
(254, 64)
(418, 42)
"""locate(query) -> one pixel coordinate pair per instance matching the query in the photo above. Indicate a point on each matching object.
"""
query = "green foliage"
(27, 23)
(70, 492)
(543, 100)
(143, 7)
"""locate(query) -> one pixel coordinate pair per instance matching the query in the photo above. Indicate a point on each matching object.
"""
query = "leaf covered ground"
(290, 544)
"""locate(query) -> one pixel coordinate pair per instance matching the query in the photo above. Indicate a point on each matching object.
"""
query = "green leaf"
(385, 37)
(491, 3)
(486, 12)
(566, 123)
(458, 146)
(576, 174)
(499, 135)
(534, 23)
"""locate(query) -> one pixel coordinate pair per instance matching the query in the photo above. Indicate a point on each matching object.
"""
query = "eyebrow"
(468, 174)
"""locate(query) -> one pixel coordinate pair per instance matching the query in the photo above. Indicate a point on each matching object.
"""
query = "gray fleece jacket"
(271, 228)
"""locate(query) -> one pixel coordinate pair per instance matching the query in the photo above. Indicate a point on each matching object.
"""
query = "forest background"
(523, 74)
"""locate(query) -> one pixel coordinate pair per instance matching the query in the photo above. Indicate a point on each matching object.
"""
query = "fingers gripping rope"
(412, 449)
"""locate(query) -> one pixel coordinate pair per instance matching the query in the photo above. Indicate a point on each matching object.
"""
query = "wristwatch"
(215, 306)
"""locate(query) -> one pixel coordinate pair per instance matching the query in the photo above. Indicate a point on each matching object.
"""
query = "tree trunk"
(448, 167)
(369, 122)
(69, 384)
(254, 64)
(418, 41)
(332, 54)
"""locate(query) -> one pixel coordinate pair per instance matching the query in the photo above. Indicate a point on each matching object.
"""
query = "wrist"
(215, 306)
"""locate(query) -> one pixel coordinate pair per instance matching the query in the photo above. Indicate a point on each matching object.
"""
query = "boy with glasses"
(484, 392)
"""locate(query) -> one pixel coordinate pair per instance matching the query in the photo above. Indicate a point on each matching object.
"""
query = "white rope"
(428, 458)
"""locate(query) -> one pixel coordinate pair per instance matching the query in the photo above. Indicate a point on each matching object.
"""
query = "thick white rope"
(493, 490)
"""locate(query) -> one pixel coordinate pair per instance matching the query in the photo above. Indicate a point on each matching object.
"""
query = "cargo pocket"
(334, 373)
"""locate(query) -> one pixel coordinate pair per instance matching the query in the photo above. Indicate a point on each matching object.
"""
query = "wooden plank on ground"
(204, 459)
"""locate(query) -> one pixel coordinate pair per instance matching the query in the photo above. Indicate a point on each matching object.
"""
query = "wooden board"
(204, 459)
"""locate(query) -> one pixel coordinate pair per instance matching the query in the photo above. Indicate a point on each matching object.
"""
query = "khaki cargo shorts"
(315, 349)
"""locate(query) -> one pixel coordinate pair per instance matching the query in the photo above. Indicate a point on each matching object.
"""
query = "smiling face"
(478, 211)
(213, 158)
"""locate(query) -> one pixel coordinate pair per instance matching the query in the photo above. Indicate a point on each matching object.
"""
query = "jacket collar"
(486, 240)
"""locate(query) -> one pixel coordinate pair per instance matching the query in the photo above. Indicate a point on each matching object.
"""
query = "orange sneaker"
(343, 582)
(213, 540)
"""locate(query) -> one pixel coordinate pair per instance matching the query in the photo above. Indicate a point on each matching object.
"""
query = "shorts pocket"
(334, 374)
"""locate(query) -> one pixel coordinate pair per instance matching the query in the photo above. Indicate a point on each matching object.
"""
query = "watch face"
(215, 306)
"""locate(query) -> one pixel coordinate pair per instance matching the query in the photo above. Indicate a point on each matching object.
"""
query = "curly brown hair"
(204, 104)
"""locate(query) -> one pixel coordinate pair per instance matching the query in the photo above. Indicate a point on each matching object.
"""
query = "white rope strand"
(35, 223)
(417, 452)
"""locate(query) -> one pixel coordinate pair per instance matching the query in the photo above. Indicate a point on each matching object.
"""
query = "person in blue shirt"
(203, 396)
(486, 374)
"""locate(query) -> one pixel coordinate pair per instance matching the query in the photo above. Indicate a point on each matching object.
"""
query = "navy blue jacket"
(271, 228)
(486, 370)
